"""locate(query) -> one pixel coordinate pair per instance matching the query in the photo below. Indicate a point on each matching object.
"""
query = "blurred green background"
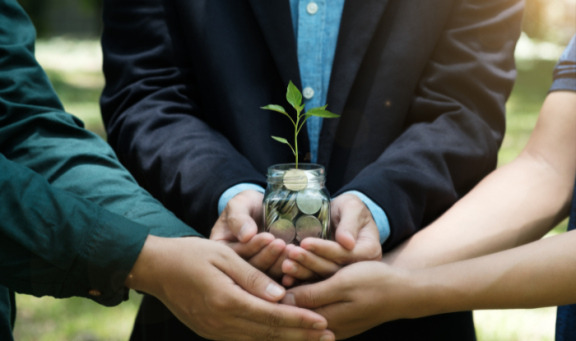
(69, 50)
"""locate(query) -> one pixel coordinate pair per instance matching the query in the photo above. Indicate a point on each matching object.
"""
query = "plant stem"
(296, 137)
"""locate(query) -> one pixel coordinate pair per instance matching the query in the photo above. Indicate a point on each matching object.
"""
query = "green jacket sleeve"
(59, 244)
(35, 132)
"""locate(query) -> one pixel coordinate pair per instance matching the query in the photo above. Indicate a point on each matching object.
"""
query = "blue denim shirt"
(316, 26)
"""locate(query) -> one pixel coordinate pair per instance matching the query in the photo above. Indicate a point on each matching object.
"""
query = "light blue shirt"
(316, 27)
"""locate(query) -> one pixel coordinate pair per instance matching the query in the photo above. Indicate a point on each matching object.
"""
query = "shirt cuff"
(233, 191)
(106, 260)
(378, 215)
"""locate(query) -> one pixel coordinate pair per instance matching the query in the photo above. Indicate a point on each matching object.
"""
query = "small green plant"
(294, 97)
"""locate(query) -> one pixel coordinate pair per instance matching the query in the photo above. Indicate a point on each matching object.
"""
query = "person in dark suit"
(486, 252)
(421, 88)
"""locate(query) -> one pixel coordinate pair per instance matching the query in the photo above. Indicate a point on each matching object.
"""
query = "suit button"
(312, 8)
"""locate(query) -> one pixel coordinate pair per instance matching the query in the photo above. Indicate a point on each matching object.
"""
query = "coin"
(288, 204)
(290, 215)
(309, 201)
(308, 226)
(283, 229)
(271, 217)
(295, 180)
(324, 217)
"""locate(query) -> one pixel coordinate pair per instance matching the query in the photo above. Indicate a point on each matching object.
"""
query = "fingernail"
(289, 299)
(326, 338)
(319, 325)
(244, 231)
(274, 290)
(294, 269)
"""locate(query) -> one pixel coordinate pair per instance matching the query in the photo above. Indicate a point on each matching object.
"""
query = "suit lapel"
(275, 20)
(359, 22)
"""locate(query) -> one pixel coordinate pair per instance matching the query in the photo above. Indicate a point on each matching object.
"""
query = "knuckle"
(218, 303)
(274, 319)
(253, 278)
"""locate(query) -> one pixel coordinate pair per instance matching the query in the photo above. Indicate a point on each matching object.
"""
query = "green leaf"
(294, 96)
(274, 107)
(321, 112)
(281, 140)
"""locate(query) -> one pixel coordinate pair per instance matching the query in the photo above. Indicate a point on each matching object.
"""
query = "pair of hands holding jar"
(342, 303)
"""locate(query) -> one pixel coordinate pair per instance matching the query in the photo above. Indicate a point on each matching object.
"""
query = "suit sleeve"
(35, 132)
(57, 244)
(456, 122)
(153, 116)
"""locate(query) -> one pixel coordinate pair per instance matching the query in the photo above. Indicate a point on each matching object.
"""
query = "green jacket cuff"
(106, 260)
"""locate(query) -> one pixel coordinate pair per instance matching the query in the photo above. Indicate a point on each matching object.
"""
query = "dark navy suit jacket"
(421, 87)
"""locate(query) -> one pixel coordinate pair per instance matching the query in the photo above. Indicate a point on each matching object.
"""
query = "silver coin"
(289, 204)
(271, 217)
(308, 226)
(283, 229)
(290, 215)
(309, 201)
(295, 180)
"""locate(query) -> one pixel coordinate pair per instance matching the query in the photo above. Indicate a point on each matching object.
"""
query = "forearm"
(514, 205)
(540, 274)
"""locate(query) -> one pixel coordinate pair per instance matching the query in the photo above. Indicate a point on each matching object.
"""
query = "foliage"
(294, 97)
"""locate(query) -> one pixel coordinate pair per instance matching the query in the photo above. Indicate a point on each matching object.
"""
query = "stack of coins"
(296, 210)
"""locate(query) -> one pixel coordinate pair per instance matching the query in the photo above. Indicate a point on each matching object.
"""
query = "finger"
(255, 245)
(296, 270)
(276, 315)
(319, 265)
(249, 278)
(353, 216)
(275, 270)
(239, 217)
(288, 281)
(367, 248)
(259, 332)
(268, 256)
(315, 295)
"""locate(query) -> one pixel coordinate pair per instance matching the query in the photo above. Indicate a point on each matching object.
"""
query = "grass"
(48, 319)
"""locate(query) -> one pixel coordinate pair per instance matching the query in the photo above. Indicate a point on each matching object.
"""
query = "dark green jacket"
(72, 218)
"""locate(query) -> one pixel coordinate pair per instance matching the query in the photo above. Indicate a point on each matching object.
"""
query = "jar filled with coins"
(296, 203)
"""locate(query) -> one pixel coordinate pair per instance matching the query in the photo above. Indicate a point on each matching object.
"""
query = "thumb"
(352, 213)
(313, 296)
(239, 218)
(251, 279)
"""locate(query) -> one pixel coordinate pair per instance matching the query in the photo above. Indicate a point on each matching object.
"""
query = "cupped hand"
(237, 227)
(219, 295)
(357, 239)
(358, 298)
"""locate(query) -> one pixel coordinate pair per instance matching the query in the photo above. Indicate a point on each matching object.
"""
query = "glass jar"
(296, 203)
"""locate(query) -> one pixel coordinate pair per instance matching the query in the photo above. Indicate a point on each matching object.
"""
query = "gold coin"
(283, 229)
(324, 217)
(295, 180)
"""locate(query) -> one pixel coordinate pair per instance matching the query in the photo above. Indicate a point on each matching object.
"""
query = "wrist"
(436, 292)
(144, 275)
